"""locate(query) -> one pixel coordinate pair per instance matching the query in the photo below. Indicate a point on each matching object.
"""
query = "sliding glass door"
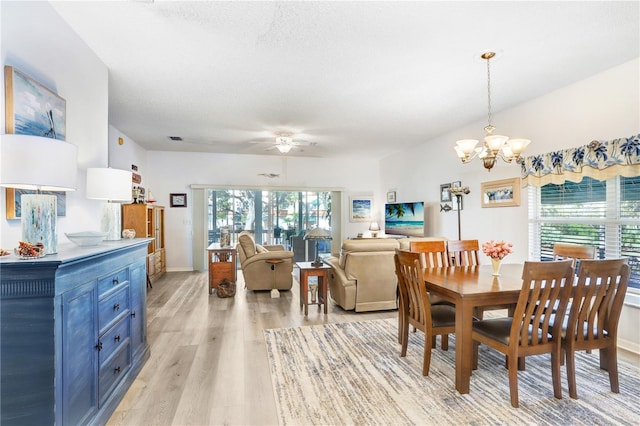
(273, 217)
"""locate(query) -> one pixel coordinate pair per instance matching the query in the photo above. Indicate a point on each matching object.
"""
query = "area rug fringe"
(352, 374)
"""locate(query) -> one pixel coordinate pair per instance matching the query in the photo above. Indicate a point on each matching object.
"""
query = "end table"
(222, 264)
(322, 272)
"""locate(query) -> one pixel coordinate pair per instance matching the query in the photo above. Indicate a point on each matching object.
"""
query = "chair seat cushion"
(497, 329)
(565, 322)
(443, 315)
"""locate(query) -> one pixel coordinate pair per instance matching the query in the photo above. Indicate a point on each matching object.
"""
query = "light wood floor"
(208, 363)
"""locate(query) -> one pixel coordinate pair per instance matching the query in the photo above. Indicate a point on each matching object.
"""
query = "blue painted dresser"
(73, 332)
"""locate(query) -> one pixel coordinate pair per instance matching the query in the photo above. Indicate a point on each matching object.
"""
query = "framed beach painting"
(501, 193)
(360, 209)
(31, 108)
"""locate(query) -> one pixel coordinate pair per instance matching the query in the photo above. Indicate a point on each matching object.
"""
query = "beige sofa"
(256, 271)
(363, 276)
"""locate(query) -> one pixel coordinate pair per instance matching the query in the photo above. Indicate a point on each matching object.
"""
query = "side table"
(322, 272)
(222, 265)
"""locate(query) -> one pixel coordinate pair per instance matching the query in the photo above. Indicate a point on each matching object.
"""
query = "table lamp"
(318, 234)
(40, 164)
(374, 228)
(112, 185)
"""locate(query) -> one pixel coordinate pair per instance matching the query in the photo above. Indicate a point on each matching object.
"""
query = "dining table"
(469, 287)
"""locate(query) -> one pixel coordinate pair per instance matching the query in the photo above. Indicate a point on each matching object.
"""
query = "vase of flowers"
(496, 250)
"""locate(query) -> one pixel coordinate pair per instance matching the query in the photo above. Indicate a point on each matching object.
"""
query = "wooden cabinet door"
(80, 354)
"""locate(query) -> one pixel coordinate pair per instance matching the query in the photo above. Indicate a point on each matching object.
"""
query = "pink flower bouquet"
(497, 249)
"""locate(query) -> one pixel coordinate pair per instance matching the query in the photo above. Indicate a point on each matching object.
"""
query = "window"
(283, 214)
(602, 214)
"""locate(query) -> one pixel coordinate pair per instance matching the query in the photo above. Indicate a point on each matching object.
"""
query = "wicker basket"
(226, 289)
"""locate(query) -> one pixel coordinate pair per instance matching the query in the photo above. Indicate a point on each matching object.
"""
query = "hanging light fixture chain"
(489, 92)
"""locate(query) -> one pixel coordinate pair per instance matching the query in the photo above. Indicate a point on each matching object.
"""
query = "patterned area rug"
(352, 373)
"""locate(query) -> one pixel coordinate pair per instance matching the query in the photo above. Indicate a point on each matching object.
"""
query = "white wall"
(35, 40)
(170, 172)
(605, 106)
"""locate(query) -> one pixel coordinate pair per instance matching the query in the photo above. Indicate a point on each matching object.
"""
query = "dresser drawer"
(114, 370)
(113, 339)
(112, 281)
(112, 307)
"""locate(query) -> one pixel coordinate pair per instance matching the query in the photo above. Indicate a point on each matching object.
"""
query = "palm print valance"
(599, 160)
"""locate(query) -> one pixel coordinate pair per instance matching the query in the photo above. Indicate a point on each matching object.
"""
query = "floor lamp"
(42, 164)
(111, 185)
(458, 192)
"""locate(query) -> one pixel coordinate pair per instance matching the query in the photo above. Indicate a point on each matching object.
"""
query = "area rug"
(352, 374)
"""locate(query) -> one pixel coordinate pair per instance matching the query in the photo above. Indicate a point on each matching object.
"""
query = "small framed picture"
(178, 200)
(445, 195)
(391, 197)
(456, 184)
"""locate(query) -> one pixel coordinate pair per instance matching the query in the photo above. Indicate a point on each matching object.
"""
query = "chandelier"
(494, 146)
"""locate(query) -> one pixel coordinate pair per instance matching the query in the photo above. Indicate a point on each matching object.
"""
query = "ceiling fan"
(284, 142)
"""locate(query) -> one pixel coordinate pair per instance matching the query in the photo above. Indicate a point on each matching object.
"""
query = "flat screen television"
(404, 219)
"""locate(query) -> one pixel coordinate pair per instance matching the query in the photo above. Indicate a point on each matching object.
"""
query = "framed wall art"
(14, 204)
(360, 209)
(391, 197)
(445, 195)
(31, 108)
(178, 200)
(501, 193)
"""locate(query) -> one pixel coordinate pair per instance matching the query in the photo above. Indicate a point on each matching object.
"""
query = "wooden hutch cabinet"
(148, 222)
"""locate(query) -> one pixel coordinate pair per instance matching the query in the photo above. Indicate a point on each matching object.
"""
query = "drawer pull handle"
(133, 314)
(116, 370)
(116, 281)
(117, 338)
(99, 346)
(116, 307)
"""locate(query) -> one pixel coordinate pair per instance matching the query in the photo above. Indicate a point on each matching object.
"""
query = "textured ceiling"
(357, 78)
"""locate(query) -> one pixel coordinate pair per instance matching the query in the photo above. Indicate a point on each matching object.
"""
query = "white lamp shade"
(495, 142)
(518, 145)
(34, 162)
(108, 184)
(284, 148)
(466, 145)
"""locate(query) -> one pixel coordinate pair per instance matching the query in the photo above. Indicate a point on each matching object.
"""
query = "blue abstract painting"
(36, 110)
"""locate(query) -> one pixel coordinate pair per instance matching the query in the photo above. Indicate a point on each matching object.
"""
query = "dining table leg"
(464, 346)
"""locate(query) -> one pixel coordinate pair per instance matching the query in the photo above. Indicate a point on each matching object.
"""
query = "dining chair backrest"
(410, 275)
(463, 252)
(562, 251)
(597, 299)
(546, 288)
(433, 254)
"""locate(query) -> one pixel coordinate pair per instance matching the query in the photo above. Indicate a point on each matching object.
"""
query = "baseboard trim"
(629, 346)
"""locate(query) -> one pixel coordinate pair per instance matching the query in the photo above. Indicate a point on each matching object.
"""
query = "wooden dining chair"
(433, 254)
(433, 320)
(592, 321)
(463, 252)
(574, 252)
(529, 331)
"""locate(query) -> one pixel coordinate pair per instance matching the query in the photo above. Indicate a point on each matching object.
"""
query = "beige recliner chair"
(364, 276)
(257, 273)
